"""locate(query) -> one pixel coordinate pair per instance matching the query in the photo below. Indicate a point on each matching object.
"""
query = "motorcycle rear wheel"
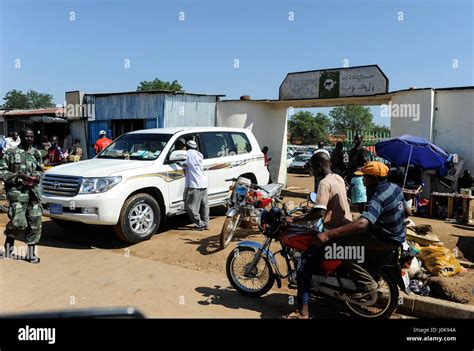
(387, 299)
(261, 279)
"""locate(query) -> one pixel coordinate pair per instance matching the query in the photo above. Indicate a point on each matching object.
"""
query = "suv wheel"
(139, 218)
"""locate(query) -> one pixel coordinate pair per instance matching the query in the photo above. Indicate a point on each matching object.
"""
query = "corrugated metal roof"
(37, 112)
(154, 92)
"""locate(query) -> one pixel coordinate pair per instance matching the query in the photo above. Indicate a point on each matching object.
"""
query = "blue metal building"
(119, 113)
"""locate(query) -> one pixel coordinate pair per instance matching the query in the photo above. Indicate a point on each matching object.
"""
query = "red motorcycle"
(252, 269)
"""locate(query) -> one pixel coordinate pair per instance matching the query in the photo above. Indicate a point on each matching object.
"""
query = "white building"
(444, 116)
(446, 119)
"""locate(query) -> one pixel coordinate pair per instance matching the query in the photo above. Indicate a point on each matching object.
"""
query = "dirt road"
(178, 273)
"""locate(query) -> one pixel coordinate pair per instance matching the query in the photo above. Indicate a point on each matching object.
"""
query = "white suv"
(137, 180)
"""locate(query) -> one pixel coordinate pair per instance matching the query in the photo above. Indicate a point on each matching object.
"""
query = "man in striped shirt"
(379, 231)
(385, 214)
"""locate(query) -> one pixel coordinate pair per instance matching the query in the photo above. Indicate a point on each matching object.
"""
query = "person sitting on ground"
(75, 152)
(45, 143)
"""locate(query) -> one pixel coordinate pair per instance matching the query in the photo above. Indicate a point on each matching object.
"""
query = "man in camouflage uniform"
(21, 170)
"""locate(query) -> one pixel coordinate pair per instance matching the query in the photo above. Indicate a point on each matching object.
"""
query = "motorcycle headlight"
(98, 185)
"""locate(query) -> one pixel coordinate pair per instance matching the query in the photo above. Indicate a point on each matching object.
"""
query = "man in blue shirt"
(386, 209)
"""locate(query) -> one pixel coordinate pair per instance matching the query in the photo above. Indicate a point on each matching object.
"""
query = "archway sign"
(334, 83)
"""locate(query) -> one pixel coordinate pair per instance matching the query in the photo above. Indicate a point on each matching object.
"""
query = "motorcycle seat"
(272, 189)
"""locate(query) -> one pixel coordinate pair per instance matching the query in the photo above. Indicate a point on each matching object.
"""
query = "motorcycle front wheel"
(386, 302)
(258, 282)
(228, 230)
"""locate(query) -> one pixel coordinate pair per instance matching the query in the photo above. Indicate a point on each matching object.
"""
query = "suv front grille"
(61, 185)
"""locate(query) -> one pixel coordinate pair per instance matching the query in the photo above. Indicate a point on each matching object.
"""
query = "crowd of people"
(21, 167)
(51, 153)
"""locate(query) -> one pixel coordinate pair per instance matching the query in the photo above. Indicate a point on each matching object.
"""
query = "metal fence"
(369, 141)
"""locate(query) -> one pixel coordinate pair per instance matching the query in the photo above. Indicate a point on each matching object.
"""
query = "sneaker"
(34, 259)
(199, 228)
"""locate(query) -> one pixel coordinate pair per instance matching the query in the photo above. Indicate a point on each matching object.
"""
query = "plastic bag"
(440, 261)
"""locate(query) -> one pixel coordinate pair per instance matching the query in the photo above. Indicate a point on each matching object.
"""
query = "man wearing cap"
(317, 179)
(102, 142)
(379, 229)
(197, 202)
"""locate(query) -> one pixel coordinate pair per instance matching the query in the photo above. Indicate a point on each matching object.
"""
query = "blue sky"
(88, 54)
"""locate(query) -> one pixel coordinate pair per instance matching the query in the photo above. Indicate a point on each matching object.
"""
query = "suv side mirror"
(312, 197)
(178, 155)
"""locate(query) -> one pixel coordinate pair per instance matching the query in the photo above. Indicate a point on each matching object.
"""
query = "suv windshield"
(136, 146)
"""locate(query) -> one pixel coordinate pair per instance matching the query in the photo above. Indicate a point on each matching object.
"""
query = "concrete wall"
(413, 125)
(446, 119)
(268, 124)
(454, 123)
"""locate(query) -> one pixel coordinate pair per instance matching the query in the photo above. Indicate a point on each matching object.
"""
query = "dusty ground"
(178, 273)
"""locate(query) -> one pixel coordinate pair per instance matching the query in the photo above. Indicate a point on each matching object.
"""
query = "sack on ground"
(439, 261)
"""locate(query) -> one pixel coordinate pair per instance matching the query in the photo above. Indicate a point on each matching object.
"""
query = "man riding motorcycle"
(380, 229)
(331, 205)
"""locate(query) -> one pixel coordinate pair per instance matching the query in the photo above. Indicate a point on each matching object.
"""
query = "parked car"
(297, 153)
(300, 164)
(137, 181)
(289, 159)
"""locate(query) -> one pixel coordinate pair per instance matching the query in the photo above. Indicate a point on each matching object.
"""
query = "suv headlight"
(98, 185)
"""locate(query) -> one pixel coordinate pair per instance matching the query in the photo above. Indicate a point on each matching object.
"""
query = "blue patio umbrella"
(409, 149)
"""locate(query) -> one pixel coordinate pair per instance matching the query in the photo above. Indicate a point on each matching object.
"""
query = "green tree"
(309, 128)
(29, 100)
(158, 84)
(354, 118)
